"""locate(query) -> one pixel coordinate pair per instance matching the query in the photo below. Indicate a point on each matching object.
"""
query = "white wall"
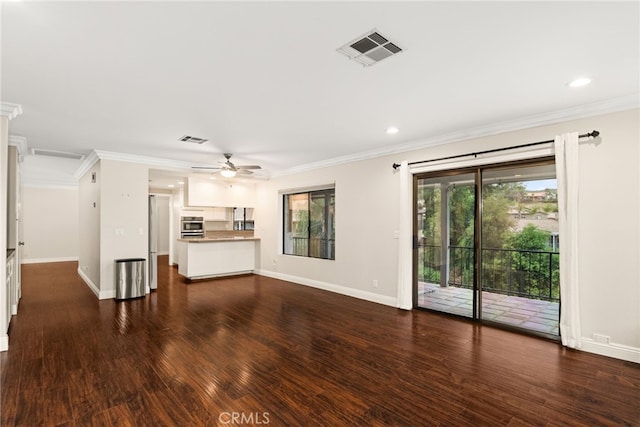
(164, 229)
(124, 220)
(50, 221)
(47, 171)
(367, 197)
(176, 208)
(89, 228)
(366, 217)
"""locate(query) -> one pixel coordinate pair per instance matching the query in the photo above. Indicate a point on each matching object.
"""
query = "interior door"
(20, 228)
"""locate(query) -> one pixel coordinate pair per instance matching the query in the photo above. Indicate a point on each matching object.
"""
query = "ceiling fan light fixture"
(229, 170)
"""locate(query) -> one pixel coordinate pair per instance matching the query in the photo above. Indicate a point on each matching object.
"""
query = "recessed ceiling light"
(181, 182)
(170, 185)
(392, 130)
(582, 81)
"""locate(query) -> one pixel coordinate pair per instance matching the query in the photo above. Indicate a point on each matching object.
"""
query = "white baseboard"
(343, 290)
(4, 342)
(41, 260)
(107, 294)
(89, 282)
(617, 351)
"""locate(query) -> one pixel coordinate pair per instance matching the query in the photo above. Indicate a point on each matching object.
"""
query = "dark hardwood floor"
(254, 350)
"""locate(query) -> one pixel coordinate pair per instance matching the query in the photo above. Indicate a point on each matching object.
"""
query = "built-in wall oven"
(191, 226)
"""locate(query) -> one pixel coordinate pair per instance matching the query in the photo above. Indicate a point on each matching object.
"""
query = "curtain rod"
(592, 134)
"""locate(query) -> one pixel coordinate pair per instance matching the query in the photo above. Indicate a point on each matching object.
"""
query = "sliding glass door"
(445, 231)
(520, 244)
(488, 244)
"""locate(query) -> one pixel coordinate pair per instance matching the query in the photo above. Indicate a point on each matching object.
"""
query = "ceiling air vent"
(192, 139)
(370, 48)
(54, 153)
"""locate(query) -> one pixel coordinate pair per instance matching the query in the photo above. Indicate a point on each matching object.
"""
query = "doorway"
(488, 244)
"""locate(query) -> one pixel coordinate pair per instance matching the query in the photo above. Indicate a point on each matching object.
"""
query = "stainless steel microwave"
(192, 226)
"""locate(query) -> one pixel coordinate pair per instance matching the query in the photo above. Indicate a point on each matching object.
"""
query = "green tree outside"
(529, 270)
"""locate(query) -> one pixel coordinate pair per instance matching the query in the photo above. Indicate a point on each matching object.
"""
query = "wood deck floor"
(285, 355)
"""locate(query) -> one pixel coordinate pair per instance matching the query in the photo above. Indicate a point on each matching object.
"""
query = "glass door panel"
(520, 243)
(445, 232)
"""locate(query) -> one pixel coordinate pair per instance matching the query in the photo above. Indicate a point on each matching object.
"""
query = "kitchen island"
(200, 258)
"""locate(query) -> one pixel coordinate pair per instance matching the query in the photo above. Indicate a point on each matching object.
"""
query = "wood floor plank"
(197, 353)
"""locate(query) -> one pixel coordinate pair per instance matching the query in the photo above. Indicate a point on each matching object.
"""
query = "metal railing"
(313, 247)
(531, 274)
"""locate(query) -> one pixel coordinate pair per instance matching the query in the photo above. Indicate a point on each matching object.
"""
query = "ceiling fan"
(228, 169)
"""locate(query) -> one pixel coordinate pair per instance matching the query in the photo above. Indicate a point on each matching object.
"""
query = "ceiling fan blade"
(228, 166)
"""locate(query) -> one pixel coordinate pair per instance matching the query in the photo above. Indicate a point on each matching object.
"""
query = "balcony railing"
(313, 247)
(526, 273)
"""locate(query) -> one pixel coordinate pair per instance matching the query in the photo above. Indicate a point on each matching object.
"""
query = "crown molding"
(10, 110)
(158, 162)
(20, 142)
(86, 165)
(97, 155)
(579, 112)
(586, 110)
(58, 183)
(145, 160)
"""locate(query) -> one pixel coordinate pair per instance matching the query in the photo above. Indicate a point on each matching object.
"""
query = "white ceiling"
(263, 80)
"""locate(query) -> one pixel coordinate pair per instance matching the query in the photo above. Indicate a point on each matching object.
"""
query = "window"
(309, 224)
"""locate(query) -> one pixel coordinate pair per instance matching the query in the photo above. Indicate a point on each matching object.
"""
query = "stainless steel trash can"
(130, 277)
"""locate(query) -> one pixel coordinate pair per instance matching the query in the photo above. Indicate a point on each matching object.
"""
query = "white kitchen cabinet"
(200, 258)
(218, 193)
(200, 192)
(217, 214)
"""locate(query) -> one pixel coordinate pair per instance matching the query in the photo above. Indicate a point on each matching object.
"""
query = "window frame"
(328, 237)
